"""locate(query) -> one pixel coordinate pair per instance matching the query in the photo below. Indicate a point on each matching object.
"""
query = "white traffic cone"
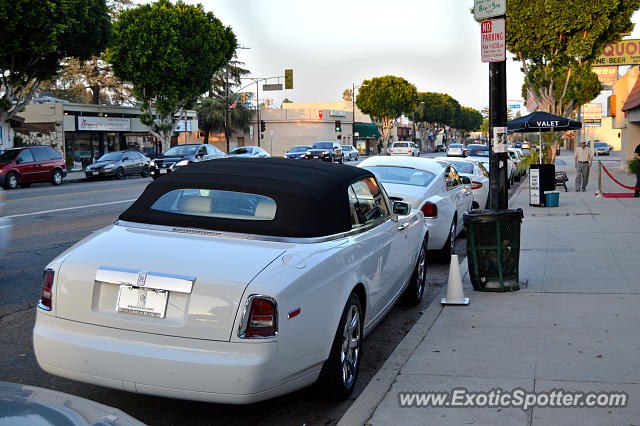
(455, 294)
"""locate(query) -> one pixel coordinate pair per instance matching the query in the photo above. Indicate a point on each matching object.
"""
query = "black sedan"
(183, 155)
(297, 152)
(326, 151)
(118, 164)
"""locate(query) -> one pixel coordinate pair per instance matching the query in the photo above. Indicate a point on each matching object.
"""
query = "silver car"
(350, 152)
(249, 152)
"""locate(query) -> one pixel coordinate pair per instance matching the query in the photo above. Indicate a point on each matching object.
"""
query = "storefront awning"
(366, 130)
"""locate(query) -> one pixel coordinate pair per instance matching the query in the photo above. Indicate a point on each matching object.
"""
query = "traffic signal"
(263, 126)
(243, 97)
(338, 126)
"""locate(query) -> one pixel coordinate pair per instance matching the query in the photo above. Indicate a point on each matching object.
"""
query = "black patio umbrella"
(540, 121)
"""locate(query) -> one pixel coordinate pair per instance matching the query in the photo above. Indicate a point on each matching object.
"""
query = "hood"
(205, 276)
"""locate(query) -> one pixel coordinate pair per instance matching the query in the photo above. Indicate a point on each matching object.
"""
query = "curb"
(366, 403)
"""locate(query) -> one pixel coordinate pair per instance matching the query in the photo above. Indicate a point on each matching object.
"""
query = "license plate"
(162, 171)
(142, 301)
(315, 156)
(95, 173)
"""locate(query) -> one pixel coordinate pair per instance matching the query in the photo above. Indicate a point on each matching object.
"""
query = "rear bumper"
(222, 372)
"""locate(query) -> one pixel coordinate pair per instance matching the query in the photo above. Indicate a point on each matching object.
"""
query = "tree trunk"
(95, 95)
(206, 136)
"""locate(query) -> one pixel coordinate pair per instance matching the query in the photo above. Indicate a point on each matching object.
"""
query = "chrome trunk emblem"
(142, 279)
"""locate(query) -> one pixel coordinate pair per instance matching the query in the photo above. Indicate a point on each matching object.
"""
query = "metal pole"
(497, 118)
(258, 112)
(540, 143)
(600, 194)
(226, 108)
(353, 114)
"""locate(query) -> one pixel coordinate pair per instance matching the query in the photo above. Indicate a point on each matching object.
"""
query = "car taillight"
(391, 149)
(260, 318)
(429, 209)
(47, 288)
(476, 185)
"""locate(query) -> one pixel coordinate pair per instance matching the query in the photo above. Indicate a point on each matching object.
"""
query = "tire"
(145, 172)
(415, 290)
(56, 178)
(341, 160)
(11, 181)
(340, 371)
(449, 248)
(356, 157)
(120, 174)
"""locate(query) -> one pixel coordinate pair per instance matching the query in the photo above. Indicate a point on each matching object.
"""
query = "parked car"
(455, 150)
(601, 148)
(233, 290)
(477, 177)
(440, 148)
(27, 165)
(431, 187)
(473, 147)
(403, 148)
(181, 156)
(119, 164)
(415, 150)
(31, 405)
(249, 152)
(350, 152)
(516, 155)
(326, 151)
(297, 152)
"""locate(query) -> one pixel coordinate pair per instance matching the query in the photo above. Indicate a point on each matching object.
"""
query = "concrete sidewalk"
(576, 326)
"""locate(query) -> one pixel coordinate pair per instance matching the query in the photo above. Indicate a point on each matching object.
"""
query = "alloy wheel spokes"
(350, 345)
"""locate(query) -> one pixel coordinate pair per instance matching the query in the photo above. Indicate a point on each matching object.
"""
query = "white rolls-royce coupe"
(233, 281)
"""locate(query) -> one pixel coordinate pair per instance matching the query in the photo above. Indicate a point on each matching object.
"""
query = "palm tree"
(211, 116)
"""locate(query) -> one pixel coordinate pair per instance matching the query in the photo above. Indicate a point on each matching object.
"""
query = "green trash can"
(493, 249)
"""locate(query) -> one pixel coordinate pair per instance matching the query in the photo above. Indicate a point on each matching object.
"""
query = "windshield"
(402, 175)
(112, 156)
(181, 151)
(301, 148)
(9, 155)
(600, 145)
(463, 167)
(323, 145)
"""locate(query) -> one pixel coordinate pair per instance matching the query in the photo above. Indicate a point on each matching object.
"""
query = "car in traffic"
(233, 290)
(297, 152)
(601, 148)
(181, 156)
(30, 405)
(119, 165)
(27, 165)
(429, 186)
(326, 151)
(350, 153)
(455, 150)
(249, 152)
(440, 148)
(403, 148)
(473, 147)
(474, 174)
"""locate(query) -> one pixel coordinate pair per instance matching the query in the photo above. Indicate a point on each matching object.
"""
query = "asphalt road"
(47, 220)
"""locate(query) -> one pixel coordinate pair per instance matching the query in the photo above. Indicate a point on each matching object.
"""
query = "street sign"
(288, 79)
(267, 87)
(489, 8)
(514, 106)
(493, 40)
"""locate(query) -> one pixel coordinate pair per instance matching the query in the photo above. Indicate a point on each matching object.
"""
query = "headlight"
(308, 152)
(182, 163)
(152, 163)
(110, 166)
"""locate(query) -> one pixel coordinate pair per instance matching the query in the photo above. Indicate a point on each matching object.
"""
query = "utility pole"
(258, 134)
(497, 119)
(226, 108)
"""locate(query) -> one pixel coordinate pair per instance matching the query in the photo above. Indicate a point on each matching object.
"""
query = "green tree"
(556, 53)
(468, 120)
(385, 99)
(347, 94)
(169, 53)
(231, 74)
(435, 111)
(211, 116)
(37, 35)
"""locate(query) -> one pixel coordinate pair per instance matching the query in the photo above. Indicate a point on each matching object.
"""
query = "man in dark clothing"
(636, 155)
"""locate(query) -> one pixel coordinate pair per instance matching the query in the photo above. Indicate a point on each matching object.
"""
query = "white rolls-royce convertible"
(233, 281)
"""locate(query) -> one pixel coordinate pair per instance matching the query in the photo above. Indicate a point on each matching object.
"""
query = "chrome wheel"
(421, 277)
(452, 236)
(350, 354)
(57, 178)
(12, 181)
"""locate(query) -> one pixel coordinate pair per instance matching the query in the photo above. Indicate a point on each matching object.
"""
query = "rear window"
(455, 145)
(323, 145)
(53, 154)
(401, 145)
(216, 203)
(402, 175)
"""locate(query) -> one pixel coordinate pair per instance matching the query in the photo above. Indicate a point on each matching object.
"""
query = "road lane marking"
(75, 193)
(70, 208)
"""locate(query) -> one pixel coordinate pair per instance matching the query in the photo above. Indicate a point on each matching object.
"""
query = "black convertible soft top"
(311, 197)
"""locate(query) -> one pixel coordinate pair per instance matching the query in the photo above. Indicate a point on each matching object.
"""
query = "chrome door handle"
(403, 227)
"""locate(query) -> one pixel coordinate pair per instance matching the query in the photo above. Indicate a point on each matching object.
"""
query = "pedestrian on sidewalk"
(583, 158)
(636, 155)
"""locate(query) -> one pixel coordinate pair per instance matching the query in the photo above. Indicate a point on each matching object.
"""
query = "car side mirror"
(401, 208)
(465, 180)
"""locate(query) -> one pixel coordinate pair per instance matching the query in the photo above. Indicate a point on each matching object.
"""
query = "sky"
(331, 45)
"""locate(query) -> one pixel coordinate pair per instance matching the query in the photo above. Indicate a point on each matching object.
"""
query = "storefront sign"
(104, 124)
(592, 113)
(627, 52)
(182, 127)
(333, 113)
(534, 186)
(493, 40)
(606, 75)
